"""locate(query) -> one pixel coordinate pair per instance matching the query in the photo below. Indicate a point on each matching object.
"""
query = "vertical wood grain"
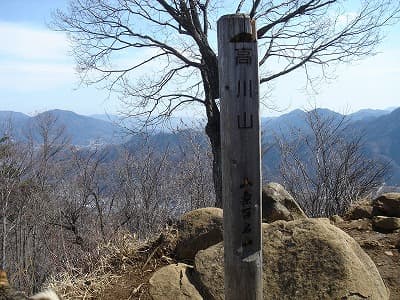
(241, 167)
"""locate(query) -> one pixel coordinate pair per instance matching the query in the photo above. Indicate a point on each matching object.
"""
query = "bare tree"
(47, 138)
(324, 167)
(145, 181)
(83, 206)
(160, 54)
(11, 172)
(194, 170)
(20, 216)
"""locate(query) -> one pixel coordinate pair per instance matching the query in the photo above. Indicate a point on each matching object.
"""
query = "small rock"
(278, 204)
(387, 205)
(361, 224)
(45, 295)
(385, 224)
(336, 219)
(172, 282)
(389, 253)
(371, 244)
(360, 210)
(198, 230)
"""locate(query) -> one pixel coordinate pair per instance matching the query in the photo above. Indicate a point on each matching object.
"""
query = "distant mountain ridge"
(365, 114)
(381, 130)
(82, 130)
(382, 136)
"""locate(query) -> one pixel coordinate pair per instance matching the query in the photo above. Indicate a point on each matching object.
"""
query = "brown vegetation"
(58, 203)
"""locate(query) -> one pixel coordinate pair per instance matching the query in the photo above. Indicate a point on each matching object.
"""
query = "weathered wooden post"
(241, 168)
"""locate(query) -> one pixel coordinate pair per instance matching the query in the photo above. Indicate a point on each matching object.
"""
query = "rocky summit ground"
(129, 269)
(128, 273)
(383, 248)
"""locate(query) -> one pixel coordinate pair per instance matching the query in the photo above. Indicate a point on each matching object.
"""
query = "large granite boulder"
(173, 282)
(198, 230)
(278, 204)
(387, 205)
(302, 259)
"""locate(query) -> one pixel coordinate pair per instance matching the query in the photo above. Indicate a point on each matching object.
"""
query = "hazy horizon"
(32, 114)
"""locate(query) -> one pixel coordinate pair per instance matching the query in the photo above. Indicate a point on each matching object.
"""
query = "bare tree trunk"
(4, 241)
(213, 133)
(100, 212)
(211, 87)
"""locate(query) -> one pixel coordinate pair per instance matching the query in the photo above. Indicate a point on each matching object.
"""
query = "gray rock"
(387, 205)
(335, 219)
(360, 224)
(360, 210)
(197, 230)
(172, 282)
(278, 204)
(385, 224)
(397, 244)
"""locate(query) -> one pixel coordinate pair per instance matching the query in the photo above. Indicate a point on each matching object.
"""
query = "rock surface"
(360, 210)
(336, 219)
(278, 204)
(386, 224)
(303, 259)
(387, 205)
(172, 282)
(360, 224)
(375, 244)
(198, 230)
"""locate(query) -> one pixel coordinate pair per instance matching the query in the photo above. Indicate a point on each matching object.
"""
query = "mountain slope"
(380, 130)
(13, 123)
(83, 130)
(368, 114)
(383, 138)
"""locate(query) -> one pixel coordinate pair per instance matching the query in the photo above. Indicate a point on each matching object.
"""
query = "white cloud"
(33, 59)
(20, 76)
(19, 41)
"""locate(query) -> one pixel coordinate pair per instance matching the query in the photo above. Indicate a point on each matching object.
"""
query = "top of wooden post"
(236, 28)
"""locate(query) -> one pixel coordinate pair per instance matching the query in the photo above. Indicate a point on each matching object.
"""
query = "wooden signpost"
(240, 146)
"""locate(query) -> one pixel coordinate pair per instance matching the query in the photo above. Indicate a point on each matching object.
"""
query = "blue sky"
(37, 73)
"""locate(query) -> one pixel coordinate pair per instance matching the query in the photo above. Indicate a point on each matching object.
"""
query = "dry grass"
(119, 269)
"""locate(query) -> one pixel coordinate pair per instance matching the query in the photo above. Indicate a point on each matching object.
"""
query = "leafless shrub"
(324, 166)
